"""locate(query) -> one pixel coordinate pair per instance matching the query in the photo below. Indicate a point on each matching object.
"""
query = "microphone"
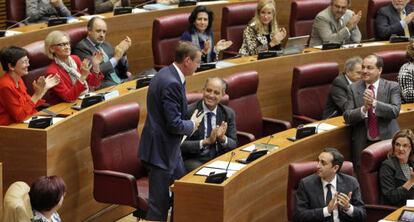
(219, 177)
(334, 113)
(266, 145)
(3, 32)
(80, 12)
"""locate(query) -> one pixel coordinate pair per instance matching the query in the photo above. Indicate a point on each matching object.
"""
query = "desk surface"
(258, 191)
(63, 149)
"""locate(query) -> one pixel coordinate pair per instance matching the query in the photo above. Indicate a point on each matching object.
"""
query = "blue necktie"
(328, 199)
(209, 125)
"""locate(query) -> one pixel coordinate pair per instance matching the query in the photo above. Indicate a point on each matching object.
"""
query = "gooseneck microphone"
(334, 113)
(80, 12)
(220, 177)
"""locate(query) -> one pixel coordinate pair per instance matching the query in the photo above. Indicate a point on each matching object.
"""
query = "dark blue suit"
(161, 138)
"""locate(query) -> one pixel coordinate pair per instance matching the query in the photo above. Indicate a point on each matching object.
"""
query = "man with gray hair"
(217, 132)
(395, 18)
(336, 24)
(338, 94)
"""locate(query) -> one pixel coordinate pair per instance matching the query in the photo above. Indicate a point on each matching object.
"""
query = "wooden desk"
(258, 191)
(396, 214)
(63, 149)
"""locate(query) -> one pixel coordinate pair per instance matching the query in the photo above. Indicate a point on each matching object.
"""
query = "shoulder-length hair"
(193, 17)
(51, 39)
(260, 27)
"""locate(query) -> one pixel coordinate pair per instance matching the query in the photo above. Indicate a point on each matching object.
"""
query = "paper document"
(210, 2)
(138, 10)
(224, 64)
(322, 127)
(410, 203)
(157, 6)
(12, 33)
(219, 164)
(205, 171)
(89, 17)
(54, 120)
(249, 148)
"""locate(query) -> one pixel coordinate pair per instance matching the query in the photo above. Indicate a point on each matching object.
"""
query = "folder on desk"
(157, 6)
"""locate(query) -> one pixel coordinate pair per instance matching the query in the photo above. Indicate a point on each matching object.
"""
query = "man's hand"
(211, 139)
(333, 204)
(409, 18)
(343, 200)
(353, 22)
(122, 47)
(116, 3)
(221, 132)
(368, 99)
(207, 46)
(196, 118)
(55, 3)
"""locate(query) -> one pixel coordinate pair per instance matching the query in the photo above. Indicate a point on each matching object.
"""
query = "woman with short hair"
(46, 197)
(76, 77)
(16, 104)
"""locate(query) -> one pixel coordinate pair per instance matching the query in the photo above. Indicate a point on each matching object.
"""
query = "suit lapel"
(319, 192)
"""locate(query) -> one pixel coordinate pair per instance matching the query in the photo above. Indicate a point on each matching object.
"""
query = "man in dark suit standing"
(394, 18)
(329, 195)
(372, 108)
(165, 127)
(115, 63)
(338, 95)
(217, 132)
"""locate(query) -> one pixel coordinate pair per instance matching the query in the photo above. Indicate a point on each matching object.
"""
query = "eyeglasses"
(63, 44)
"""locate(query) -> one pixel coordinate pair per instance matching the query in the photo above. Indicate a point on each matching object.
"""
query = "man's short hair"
(221, 80)
(349, 2)
(380, 60)
(185, 49)
(338, 158)
(351, 62)
(91, 22)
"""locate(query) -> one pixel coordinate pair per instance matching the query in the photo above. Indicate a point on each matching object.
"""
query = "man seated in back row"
(115, 63)
(395, 18)
(336, 24)
(42, 10)
(102, 6)
(217, 132)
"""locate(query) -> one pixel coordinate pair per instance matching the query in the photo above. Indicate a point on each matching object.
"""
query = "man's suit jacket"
(337, 97)
(191, 147)
(85, 49)
(165, 124)
(102, 6)
(326, 29)
(387, 22)
(387, 110)
(310, 199)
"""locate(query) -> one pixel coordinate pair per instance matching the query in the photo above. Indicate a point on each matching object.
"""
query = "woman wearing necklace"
(16, 104)
(200, 34)
(396, 174)
(76, 77)
(262, 32)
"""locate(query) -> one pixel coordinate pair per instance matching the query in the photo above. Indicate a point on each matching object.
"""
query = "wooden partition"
(64, 148)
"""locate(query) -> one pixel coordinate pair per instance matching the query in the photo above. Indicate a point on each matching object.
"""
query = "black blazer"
(387, 22)
(85, 49)
(337, 97)
(391, 179)
(191, 146)
(310, 199)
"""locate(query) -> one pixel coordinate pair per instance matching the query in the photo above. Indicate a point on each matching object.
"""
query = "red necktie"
(372, 118)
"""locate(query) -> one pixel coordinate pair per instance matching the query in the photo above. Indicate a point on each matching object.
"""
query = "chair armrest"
(378, 212)
(299, 119)
(115, 187)
(244, 138)
(271, 126)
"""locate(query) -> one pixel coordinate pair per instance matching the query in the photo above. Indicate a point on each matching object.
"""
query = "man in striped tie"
(115, 63)
(372, 108)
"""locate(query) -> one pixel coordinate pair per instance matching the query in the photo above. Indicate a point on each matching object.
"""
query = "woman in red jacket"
(15, 104)
(76, 77)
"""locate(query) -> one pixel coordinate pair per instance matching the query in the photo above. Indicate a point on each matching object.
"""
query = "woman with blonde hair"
(76, 77)
(262, 33)
(406, 75)
(396, 175)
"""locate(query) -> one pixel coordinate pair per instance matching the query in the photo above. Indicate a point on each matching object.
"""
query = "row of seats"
(311, 84)
(371, 159)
